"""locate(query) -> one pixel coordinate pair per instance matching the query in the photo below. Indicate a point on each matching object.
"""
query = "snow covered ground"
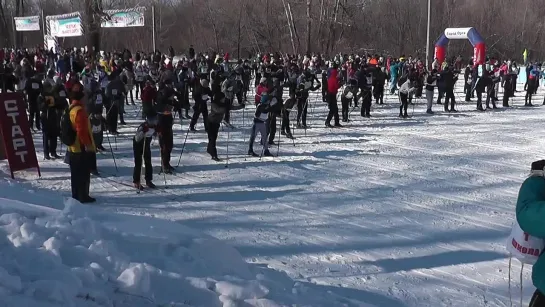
(385, 212)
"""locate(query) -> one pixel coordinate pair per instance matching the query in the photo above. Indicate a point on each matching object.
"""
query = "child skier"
(141, 147)
(347, 96)
(261, 124)
(98, 124)
(531, 86)
(287, 107)
(431, 83)
(404, 91)
(201, 95)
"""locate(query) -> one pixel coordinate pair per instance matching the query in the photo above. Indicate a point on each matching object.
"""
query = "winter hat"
(538, 168)
(263, 80)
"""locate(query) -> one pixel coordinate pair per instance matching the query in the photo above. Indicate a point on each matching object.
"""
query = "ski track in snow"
(385, 211)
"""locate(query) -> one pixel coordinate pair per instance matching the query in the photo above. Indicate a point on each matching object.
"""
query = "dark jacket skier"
(33, 89)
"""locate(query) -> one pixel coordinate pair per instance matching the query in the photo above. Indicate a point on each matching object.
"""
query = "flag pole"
(428, 36)
(43, 28)
(14, 33)
(153, 27)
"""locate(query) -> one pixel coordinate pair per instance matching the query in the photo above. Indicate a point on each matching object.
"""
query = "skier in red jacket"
(332, 89)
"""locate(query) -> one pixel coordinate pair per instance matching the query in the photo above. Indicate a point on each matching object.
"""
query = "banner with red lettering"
(67, 25)
(16, 135)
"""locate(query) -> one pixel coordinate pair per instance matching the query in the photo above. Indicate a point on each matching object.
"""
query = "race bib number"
(114, 92)
(205, 97)
(62, 94)
(35, 86)
(97, 129)
(263, 116)
(349, 95)
(308, 85)
(99, 99)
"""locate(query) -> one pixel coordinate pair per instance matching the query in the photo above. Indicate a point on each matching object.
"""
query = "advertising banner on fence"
(124, 18)
(65, 26)
(29, 23)
(16, 135)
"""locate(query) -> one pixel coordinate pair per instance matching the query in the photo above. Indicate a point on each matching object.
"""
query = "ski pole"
(163, 168)
(228, 138)
(292, 137)
(267, 129)
(141, 166)
(139, 110)
(183, 147)
(279, 137)
(111, 150)
(305, 106)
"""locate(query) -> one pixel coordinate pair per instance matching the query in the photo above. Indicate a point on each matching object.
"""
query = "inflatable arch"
(479, 47)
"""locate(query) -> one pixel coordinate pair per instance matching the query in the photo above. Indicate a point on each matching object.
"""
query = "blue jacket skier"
(531, 218)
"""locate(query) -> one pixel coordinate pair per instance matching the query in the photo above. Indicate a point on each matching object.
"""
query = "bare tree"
(389, 27)
(309, 26)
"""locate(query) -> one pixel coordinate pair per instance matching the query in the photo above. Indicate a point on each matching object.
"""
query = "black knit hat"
(538, 165)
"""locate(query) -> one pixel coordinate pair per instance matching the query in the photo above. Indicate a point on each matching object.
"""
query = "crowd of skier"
(78, 100)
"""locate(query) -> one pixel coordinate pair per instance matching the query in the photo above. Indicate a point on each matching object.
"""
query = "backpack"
(68, 133)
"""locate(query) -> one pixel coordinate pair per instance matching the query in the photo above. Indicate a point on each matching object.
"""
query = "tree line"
(245, 27)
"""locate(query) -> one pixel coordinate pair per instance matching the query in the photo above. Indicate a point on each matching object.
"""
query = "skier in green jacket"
(531, 218)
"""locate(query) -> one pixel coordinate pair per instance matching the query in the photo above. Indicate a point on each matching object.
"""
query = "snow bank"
(83, 257)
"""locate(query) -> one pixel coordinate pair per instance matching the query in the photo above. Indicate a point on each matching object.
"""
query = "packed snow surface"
(83, 257)
(385, 212)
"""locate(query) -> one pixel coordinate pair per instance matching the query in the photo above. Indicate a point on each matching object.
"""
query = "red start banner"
(16, 135)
